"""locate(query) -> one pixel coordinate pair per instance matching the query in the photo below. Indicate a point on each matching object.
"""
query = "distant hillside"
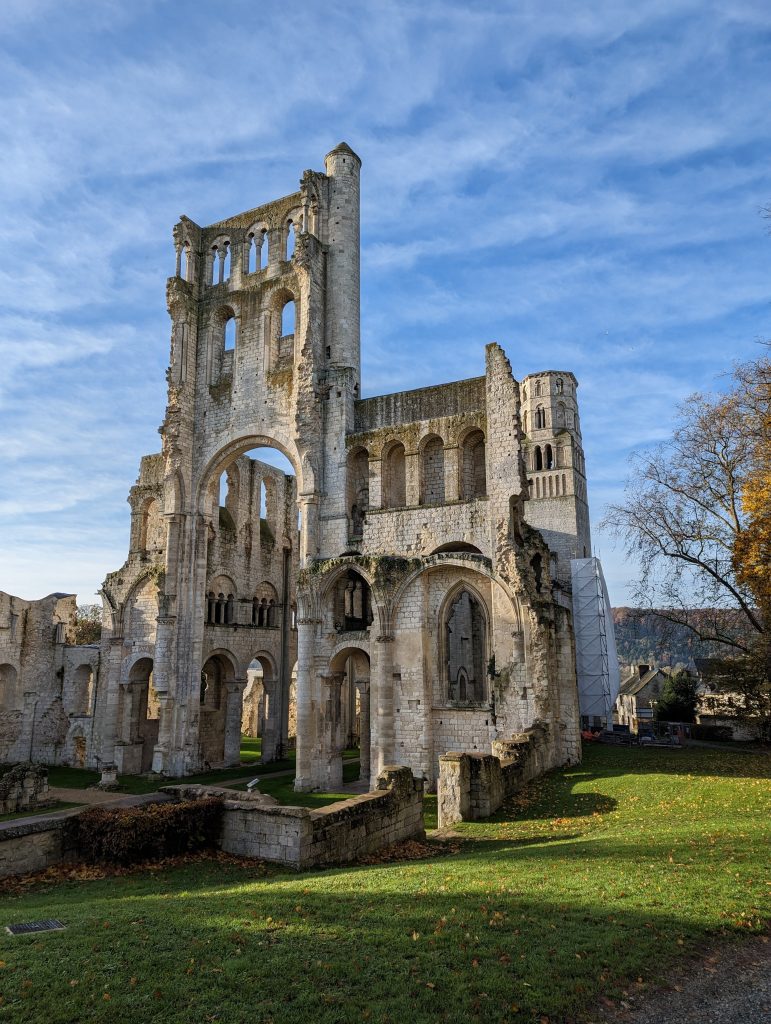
(647, 639)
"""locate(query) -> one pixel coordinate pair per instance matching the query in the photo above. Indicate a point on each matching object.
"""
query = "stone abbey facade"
(408, 588)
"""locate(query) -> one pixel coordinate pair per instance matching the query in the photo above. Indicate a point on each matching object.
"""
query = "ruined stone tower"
(406, 590)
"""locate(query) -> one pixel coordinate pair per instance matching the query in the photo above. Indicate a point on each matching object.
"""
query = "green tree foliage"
(88, 624)
(696, 517)
(678, 699)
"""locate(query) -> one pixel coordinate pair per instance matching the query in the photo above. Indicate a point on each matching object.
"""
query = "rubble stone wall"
(473, 786)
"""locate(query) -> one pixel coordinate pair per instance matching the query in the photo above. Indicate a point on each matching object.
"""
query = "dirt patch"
(729, 983)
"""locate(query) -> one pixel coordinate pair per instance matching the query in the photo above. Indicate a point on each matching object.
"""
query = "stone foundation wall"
(473, 786)
(301, 838)
(32, 845)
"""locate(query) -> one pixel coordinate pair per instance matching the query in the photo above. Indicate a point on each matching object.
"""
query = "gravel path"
(730, 985)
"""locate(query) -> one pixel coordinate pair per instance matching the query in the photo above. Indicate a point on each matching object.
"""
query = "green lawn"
(283, 790)
(78, 778)
(607, 873)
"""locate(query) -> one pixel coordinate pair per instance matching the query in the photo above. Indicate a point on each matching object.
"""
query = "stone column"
(364, 734)
(451, 472)
(412, 478)
(306, 629)
(309, 539)
(330, 773)
(234, 702)
(161, 749)
(384, 698)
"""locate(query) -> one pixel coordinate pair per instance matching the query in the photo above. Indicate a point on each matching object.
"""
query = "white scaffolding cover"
(596, 656)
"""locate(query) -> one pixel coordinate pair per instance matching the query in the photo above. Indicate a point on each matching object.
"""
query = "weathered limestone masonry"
(345, 831)
(473, 786)
(24, 788)
(430, 572)
(47, 685)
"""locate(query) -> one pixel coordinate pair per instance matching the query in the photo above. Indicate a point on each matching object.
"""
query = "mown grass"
(604, 874)
(251, 751)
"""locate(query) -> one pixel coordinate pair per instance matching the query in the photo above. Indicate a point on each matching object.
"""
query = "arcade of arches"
(404, 584)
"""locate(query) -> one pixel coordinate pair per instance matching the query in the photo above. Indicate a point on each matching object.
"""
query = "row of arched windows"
(280, 322)
(256, 254)
(542, 388)
(543, 458)
(562, 418)
(472, 479)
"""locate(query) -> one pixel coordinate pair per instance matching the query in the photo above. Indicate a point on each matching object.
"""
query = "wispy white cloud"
(578, 182)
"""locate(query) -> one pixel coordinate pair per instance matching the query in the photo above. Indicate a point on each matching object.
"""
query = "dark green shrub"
(128, 835)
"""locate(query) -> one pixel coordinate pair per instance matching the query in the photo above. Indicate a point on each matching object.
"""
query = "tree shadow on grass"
(463, 940)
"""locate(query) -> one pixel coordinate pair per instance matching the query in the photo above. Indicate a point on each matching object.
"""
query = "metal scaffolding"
(596, 656)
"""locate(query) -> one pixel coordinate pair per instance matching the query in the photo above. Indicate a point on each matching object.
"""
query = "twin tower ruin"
(408, 588)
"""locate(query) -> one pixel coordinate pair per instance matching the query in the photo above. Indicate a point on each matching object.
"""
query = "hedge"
(128, 835)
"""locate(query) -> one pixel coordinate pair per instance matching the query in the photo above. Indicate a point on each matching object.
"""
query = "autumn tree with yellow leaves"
(696, 517)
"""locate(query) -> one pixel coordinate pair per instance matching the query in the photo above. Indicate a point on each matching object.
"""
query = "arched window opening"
(290, 239)
(465, 648)
(230, 334)
(394, 477)
(538, 389)
(82, 690)
(358, 489)
(252, 254)
(474, 478)
(432, 472)
(564, 484)
(352, 603)
(263, 256)
(215, 265)
(540, 418)
(537, 458)
(8, 675)
(549, 457)
(456, 545)
(265, 606)
(225, 275)
(211, 607)
(288, 318)
(559, 385)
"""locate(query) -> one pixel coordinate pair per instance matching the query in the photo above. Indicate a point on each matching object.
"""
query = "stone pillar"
(309, 538)
(364, 733)
(306, 629)
(330, 769)
(161, 749)
(451, 472)
(412, 478)
(384, 703)
(234, 702)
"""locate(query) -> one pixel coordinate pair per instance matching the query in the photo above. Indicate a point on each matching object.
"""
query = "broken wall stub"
(474, 786)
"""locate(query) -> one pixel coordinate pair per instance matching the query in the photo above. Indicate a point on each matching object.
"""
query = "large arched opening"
(219, 728)
(138, 716)
(349, 684)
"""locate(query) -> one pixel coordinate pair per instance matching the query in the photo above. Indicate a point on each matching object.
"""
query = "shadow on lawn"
(605, 761)
(420, 941)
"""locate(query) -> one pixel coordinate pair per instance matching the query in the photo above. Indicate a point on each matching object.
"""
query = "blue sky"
(580, 182)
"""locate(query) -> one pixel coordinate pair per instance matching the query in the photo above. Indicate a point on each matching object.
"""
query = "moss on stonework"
(384, 570)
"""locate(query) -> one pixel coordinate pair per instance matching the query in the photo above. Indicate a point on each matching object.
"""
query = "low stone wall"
(473, 786)
(37, 843)
(253, 826)
(302, 838)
